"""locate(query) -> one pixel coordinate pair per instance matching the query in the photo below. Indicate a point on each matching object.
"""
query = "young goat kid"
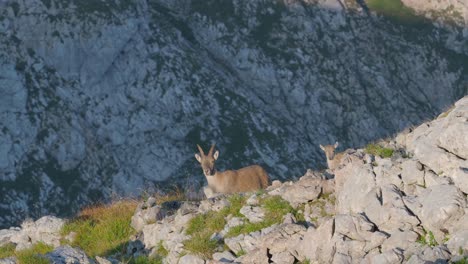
(247, 179)
(333, 159)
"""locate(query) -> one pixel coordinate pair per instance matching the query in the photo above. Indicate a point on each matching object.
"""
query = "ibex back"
(247, 179)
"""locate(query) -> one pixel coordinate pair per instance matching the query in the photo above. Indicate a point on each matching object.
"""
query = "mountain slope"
(111, 97)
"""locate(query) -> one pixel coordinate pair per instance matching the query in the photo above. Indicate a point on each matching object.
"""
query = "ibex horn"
(201, 150)
(211, 150)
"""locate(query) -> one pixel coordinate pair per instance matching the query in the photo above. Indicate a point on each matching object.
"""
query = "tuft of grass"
(102, 230)
(7, 250)
(248, 228)
(427, 239)
(241, 252)
(145, 260)
(236, 202)
(395, 10)
(161, 250)
(175, 194)
(203, 226)
(201, 244)
(27, 256)
(275, 209)
(377, 150)
(464, 260)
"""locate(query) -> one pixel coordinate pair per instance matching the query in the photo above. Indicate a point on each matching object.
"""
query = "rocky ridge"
(409, 208)
(103, 97)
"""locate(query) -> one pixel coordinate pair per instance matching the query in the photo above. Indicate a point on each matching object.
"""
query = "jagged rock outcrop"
(68, 255)
(113, 96)
(392, 210)
(46, 230)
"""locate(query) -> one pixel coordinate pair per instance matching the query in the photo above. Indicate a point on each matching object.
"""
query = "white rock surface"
(68, 255)
(191, 259)
(46, 230)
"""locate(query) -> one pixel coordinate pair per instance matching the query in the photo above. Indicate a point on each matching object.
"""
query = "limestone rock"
(402, 239)
(306, 189)
(46, 230)
(7, 234)
(430, 254)
(360, 181)
(458, 243)
(255, 214)
(317, 243)
(8, 261)
(412, 172)
(68, 255)
(224, 256)
(146, 216)
(191, 259)
(439, 207)
(393, 256)
(386, 208)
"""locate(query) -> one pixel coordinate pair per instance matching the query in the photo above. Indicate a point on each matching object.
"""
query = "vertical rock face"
(104, 97)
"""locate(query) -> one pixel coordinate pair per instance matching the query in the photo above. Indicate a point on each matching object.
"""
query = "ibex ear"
(336, 144)
(215, 155)
(197, 156)
(322, 147)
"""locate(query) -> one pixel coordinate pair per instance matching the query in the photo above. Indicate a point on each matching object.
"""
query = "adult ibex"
(247, 179)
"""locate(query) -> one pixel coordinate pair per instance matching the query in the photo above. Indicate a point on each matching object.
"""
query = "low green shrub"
(377, 150)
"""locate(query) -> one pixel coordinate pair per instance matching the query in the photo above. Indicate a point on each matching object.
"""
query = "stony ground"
(408, 208)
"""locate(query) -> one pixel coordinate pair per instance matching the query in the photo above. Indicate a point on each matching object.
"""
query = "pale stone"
(191, 259)
(412, 173)
(224, 256)
(440, 207)
(255, 214)
(67, 255)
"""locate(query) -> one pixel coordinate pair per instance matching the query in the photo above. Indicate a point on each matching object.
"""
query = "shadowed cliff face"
(98, 98)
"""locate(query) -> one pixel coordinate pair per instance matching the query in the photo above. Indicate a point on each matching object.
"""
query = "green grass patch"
(7, 250)
(464, 260)
(275, 209)
(235, 204)
(102, 230)
(377, 150)
(395, 10)
(427, 239)
(161, 250)
(202, 226)
(201, 244)
(27, 256)
(145, 260)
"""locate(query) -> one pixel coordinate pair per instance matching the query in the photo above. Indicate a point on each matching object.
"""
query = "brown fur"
(246, 179)
(333, 160)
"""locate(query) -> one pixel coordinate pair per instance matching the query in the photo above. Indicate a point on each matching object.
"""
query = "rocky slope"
(110, 97)
(409, 208)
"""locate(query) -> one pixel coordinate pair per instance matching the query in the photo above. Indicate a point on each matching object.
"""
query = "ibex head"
(329, 150)
(207, 161)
